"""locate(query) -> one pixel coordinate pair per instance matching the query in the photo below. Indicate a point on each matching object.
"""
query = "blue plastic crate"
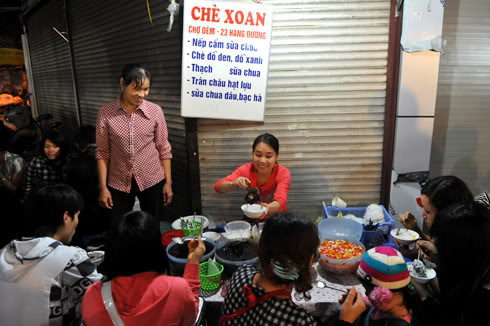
(384, 228)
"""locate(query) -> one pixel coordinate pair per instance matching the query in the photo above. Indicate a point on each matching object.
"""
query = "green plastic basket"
(195, 231)
(210, 283)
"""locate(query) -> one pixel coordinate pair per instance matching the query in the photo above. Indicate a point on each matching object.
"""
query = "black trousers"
(151, 200)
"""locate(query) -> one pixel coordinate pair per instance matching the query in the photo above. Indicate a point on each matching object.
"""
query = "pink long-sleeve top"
(133, 144)
(147, 298)
(275, 189)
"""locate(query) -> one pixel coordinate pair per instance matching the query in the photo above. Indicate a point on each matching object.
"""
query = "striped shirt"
(134, 144)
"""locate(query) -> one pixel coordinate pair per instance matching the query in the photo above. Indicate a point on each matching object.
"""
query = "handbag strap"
(106, 291)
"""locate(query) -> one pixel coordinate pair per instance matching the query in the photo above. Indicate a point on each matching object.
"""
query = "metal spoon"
(180, 240)
(321, 285)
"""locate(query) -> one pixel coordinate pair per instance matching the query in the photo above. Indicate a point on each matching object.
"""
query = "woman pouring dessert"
(264, 178)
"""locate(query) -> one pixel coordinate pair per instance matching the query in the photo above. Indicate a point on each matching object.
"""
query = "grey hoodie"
(18, 258)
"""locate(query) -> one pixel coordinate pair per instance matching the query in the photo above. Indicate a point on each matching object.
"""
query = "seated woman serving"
(263, 173)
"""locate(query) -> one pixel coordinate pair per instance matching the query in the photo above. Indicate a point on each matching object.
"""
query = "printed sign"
(225, 59)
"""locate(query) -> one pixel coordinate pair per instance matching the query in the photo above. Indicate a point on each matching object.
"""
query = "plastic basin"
(231, 265)
(177, 265)
(340, 228)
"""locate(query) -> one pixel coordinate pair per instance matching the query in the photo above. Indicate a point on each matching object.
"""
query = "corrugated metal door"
(325, 104)
(10, 30)
(51, 65)
(106, 35)
(461, 136)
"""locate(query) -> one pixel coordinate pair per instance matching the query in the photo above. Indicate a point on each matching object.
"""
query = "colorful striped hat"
(384, 266)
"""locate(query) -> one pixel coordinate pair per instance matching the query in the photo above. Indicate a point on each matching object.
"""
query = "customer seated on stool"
(43, 279)
(142, 294)
(262, 296)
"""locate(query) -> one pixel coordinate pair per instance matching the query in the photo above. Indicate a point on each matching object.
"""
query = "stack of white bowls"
(374, 213)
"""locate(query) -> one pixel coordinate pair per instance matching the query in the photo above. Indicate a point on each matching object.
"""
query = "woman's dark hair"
(57, 138)
(135, 73)
(463, 242)
(135, 246)
(292, 241)
(85, 136)
(25, 143)
(267, 139)
(445, 191)
(46, 207)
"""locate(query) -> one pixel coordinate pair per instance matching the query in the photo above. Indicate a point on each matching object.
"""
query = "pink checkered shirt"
(134, 144)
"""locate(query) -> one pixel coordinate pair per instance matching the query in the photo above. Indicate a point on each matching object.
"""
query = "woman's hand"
(168, 194)
(352, 306)
(241, 182)
(429, 251)
(408, 221)
(196, 251)
(265, 213)
(105, 198)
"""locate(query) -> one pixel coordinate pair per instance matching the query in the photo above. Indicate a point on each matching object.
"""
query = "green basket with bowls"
(192, 228)
(211, 282)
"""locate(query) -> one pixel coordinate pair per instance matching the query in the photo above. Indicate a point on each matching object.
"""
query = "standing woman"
(264, 173)
(133, 152)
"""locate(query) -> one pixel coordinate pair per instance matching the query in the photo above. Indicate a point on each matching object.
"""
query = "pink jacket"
(147, 299)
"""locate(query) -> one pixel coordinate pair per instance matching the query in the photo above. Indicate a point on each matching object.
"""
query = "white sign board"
(225, 59)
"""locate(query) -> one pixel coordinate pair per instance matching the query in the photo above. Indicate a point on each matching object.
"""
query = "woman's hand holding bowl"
(265, 213)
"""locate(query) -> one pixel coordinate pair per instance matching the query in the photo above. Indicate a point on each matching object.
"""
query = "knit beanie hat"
(384, 266)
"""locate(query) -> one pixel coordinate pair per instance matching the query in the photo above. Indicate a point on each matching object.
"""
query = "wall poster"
(225, 59)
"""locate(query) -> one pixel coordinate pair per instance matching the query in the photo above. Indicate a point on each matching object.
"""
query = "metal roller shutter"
(325, 104)
(106, 35)
(461, 135)
(51, 64)
(10, 30)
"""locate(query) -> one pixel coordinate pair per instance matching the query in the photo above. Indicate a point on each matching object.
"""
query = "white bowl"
(176, 223)
(405, 237)
(431, 273)
(212, 235)
(253, 211)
